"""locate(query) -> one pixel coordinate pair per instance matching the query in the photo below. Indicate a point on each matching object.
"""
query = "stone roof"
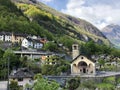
(15, 34)
(20, 34)
(84, 56)
(5, 33)
(22, 73)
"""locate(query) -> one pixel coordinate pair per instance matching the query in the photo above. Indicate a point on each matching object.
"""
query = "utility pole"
(8, 87)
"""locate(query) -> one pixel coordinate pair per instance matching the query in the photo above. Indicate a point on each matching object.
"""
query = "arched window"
(74, 65)
(82, 63)
(75, 47)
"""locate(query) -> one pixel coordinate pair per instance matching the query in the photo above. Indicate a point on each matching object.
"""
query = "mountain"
(112, 32)
(13, 20)
(33, 17)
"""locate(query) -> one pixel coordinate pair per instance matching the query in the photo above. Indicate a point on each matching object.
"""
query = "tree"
(23, 61)
(9, 55)
(108, 83)
(4, 57)
(60, 66)
(105, 86)
(105, 49)
(38, 76)
(51, 46)
(73, 83)
(66, 41)
(115, 52)
(44, 84)
(89, 84)
(14, 85)
(1, 53)
(89, 48)
(101, 62)
(110, 80)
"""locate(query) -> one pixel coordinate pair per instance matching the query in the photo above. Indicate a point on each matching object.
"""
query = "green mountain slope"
(60, 24)
(32, 17)
(13, 20)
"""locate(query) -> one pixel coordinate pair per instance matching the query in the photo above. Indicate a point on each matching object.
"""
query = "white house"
(12, 37)
(8, 37)
(32, 43)
(1, 37)
(5, 36)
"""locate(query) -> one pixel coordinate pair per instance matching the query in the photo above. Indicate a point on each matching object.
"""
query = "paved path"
(3, 85)
(99, 74)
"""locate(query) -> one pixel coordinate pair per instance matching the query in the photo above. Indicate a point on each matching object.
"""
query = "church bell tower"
(75, 50)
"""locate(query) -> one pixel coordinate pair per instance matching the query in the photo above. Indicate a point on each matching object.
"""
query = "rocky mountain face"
(112, 32)
(60, 24)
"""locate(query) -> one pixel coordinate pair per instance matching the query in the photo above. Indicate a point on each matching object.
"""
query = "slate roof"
(15, 34)
(34, 40)
(22, 73)
(20, 34)
(5, 33)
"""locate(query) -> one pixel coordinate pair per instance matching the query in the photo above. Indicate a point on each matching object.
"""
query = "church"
(81, 64)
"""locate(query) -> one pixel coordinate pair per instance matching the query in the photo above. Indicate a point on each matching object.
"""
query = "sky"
(98, 12)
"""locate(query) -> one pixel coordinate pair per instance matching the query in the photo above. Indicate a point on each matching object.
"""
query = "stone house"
(22, 75)
(17, 37)
(81, 64)
(12, 37)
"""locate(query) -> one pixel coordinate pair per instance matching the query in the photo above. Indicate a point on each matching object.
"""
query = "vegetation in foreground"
(76, 83)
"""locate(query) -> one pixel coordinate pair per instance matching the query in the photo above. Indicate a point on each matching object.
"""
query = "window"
(75, 47)
(82, 57)
(20, 79)
(28, 89)
(74, 65)
(53, 62)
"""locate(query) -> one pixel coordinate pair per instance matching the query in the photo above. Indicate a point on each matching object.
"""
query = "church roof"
(84, 56)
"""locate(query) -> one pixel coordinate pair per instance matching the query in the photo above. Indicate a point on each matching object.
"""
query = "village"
(59, 45)
(30, 48)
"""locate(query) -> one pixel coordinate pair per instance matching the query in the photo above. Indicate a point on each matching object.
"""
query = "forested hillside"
(60, 24)
(13, 20)
(35, 18)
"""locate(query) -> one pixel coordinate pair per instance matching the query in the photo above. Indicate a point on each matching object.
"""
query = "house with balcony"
(31, 43)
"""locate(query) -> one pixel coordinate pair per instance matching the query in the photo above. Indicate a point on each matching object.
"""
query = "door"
(84, 70)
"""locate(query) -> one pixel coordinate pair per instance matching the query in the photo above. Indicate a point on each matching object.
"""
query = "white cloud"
(45, 1)
(99, 14)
